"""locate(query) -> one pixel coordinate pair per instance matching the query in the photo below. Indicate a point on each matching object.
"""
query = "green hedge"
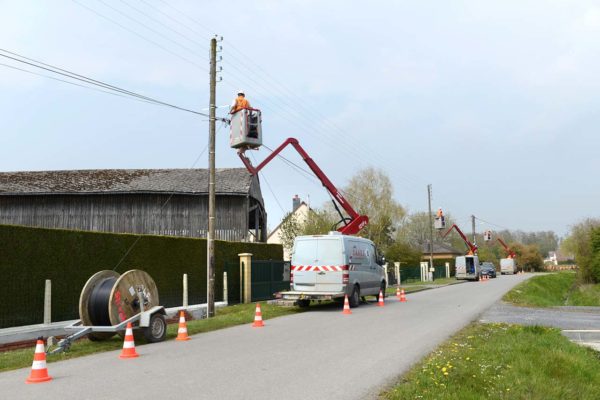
(29, 256)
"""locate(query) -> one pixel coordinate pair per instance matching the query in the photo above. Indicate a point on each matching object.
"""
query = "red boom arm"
(357, 221)
(471, 246)
(511, 254)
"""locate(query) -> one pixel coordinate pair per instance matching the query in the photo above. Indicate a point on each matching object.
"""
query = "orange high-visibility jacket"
(240, 102)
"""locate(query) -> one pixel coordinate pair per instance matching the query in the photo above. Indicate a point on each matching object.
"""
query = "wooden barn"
(156, 201)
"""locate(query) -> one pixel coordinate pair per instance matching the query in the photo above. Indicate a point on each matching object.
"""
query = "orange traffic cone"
(402, 296)
(380, 302)
(129, 344)
(346, 306)
(182, 331)
(39, 372)
(398, 293)
(258, 321)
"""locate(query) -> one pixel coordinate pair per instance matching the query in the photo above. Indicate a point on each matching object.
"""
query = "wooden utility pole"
(430, 231)
(210, 243)
(473, 227)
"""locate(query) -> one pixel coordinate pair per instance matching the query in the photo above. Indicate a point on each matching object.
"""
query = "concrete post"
(184, 301)
(447, 270)
(246, 277)
(225, 290)
(397, 271)
(48, 302)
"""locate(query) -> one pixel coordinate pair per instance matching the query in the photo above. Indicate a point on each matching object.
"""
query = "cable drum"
(98, 303)
(109, 298)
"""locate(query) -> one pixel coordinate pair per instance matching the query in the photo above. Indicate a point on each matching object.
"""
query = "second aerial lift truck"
(467, 266)
(508, 265)
(328, 266)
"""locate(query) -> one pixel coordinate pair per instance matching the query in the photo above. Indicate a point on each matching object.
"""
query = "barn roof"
(119, 181)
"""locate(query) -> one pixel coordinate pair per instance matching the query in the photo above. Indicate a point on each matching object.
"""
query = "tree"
(404, 252)
(529, 257)
(371, 193)
(579, 243)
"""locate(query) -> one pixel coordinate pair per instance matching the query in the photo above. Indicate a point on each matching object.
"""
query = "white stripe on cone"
(39, 348)
(181, 330)
(129, 332)
(128, 344)
(38, 365)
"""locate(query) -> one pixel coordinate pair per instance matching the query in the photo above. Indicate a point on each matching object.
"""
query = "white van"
(467, 267)
(326, 267)
(508, 266)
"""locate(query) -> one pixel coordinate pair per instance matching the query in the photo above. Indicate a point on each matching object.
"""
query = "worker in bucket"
(440, 216)
(239, 102)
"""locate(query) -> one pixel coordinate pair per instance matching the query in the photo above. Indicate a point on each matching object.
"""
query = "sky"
(495, 103)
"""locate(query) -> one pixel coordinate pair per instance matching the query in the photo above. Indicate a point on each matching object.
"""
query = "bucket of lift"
(439, 223)
(246, 129)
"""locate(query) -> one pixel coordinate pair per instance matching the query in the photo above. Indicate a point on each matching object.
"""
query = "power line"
(72, 75)
(140, 35)
(75, 84)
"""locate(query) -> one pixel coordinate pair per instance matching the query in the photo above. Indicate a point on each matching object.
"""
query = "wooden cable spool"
(109, 299)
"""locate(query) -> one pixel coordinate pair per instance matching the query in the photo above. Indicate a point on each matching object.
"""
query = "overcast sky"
(495, 103)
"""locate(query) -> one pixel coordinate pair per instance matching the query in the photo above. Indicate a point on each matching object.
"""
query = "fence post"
(246, 277)
(48, 302)
(225, 293)
(397, 272)
(447, 270)
(184, 301)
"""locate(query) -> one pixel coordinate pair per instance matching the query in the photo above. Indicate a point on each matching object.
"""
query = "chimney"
(295, 203)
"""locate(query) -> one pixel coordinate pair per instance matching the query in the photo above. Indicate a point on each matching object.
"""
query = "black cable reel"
(108, 299)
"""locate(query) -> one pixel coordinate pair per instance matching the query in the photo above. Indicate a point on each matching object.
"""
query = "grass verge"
(556, 289)
(225, 317)
(499, 361)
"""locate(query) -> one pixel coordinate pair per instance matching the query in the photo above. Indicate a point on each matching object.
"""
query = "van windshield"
(318, 251)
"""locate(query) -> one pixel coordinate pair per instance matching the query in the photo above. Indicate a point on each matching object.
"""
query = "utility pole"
(210, 243)
(473, 228)
(430, 231)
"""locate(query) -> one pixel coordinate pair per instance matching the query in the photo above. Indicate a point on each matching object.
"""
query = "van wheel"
(355, 297)
(303, 303)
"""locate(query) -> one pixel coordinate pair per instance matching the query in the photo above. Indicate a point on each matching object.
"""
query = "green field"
(498, 361)
(556, 289)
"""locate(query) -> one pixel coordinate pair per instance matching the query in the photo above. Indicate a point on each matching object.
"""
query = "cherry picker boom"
(353, 223)
(471, 246)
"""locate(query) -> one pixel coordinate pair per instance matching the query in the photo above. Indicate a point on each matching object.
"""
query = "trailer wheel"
(355, 297)
(157, 329)
(304, 303)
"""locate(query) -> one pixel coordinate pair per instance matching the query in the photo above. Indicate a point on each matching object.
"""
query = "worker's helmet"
(241, 92)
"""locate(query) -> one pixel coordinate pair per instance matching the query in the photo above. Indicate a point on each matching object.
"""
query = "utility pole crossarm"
(357, 221)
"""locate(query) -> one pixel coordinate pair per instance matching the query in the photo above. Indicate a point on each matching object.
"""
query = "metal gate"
(268, 278)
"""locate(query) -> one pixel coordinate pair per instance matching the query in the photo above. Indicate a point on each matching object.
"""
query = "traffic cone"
(402, 296)
(129, 344)
(398, 294)
(182, 331)
(346, 306)
(258, 321)
(380, 303)
(39, 372)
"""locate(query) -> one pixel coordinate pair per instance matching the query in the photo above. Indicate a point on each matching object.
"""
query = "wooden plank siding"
(182, 215)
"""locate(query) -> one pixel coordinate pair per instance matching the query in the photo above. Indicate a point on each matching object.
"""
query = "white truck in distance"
(326, 267)
(508, 266)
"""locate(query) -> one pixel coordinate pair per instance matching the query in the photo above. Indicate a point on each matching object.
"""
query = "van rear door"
(317, 263)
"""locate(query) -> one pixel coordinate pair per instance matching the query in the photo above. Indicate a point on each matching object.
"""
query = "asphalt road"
(321, 354)
(557, 317)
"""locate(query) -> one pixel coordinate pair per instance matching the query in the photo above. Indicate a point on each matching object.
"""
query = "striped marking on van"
(325, 268)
